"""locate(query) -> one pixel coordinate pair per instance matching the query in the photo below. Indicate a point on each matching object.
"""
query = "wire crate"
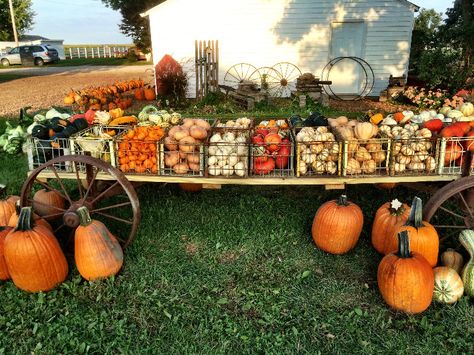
(182, 159)
(138, 153)
(98, 142)
(272, 160)
(454, 156)
(414, 156)
(227, 153)
(317, 152)
(364, 158)
(40, 151)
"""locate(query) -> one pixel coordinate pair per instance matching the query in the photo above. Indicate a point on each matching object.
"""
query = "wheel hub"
(469, 222)
(71, 218)
(283, 82)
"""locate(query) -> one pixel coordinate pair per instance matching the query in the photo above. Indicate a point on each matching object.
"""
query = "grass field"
(229, 271)
(88, 61)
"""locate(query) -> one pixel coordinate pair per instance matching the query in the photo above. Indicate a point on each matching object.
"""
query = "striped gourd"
(448, 286)
(467, 240)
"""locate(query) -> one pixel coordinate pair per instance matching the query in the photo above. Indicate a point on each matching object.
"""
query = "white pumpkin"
(444, 110)
(455, 114)
(467, 109)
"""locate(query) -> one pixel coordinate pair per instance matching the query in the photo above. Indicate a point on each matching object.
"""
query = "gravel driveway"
(49, 85)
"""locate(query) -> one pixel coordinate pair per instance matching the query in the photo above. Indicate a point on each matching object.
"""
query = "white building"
(31, 39)
(307, 33)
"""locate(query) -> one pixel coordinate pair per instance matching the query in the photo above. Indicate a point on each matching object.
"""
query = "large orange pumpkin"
(405, 278)
(13, 221)
(97, 252)
(7, 208)
(387, 220)
(4, 274)
(190, 187)
(337, 226)
(48, 203)
(33, 256)
(423, 236)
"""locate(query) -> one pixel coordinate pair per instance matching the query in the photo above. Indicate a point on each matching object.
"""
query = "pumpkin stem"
(84, 217)
(416, 214)
(404, 245)
(342, 201)
(25, 220)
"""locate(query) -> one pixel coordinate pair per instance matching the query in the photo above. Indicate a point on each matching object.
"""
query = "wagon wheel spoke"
(114, 217)
(449, 226)
(91, 183)
(61, 184)
(46, 205)
(465, 204)
(78, 179)
(123, 204)
(103, 193)
(62, 225)
(54, 215)
(451, 212)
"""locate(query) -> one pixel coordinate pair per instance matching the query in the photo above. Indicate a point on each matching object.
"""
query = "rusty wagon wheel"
(267, 79)
(238, 73)
(451, 209)
(288, 73)
(89, 182)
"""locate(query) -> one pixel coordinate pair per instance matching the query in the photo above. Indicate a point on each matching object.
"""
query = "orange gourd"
(149, 93)
(33, 255)
(7, 208)
(139, 94)
(387, 220)
(4, 274)
(423, 236)
(13, 221)
(190, 187)
(337, 226)
(47, 203)
(405, 278)
(97, 252)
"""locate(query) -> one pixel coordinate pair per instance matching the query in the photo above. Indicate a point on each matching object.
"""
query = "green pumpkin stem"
(84, 217)
(404, 245)
(25, 220)
(342, 201)
(416, 214)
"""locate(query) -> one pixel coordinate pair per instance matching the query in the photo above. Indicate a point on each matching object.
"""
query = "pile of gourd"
(366, 153)
(30, 254)
(228, 153)
(318, 151)
(239, 123)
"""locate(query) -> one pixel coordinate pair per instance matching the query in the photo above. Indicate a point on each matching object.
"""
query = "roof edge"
(415, 7)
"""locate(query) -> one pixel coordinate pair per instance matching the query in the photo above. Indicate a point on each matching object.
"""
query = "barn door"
(348, 39)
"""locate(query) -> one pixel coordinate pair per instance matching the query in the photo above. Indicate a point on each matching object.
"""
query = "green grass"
(99, 61)
(9, 77)
(229, 271)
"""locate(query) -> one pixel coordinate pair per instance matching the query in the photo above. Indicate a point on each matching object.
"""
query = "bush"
(171, 81)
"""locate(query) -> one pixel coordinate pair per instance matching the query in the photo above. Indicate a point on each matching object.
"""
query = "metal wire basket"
(414, 156)
(454, 156)
(39, 151)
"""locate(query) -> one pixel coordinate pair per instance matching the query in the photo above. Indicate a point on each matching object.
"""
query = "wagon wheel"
(289, 73)
(93, 183)
(268, 79)
(238, 73)
(451, 209)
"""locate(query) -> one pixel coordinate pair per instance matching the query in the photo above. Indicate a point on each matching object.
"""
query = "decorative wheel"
(89, 182)
(451, 209)
(238, 73)
(289, 73)
(267, 79)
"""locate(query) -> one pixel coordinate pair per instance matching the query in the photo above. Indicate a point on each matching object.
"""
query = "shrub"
(171, 81)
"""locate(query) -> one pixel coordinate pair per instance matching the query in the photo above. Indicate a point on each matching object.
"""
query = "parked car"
(38, 54)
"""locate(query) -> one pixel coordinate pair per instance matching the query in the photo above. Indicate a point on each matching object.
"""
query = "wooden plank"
(212, 186)
(196, 64)
(335, 187)
(264, 180)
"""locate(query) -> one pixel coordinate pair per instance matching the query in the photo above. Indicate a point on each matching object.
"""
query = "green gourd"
(467, 240)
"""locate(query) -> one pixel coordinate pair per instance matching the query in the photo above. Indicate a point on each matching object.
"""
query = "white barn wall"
(265, 32)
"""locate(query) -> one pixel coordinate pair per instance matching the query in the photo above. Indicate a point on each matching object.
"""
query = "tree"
(23, 18)
(133, 25)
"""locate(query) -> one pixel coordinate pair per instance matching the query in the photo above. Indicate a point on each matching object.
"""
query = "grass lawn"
(229, 271)
(99, 61)
(9, 77)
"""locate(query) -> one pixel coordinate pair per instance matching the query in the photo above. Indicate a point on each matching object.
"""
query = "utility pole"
(12, 13)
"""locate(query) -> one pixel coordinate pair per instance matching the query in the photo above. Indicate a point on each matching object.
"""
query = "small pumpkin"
(33, 255)
(7, 208)
(423, 236)
(337, 226)
(386, 185)
(398, 116)
(4, 273)
(190, 187)
(452, 259)
(139, 94)
(13, 221)
(466, 237)
(448, 286)
(149, 93)
(365, 130)
(405, 278)
(47, 203)
(96, 251)
(376, 119)
(388, 218)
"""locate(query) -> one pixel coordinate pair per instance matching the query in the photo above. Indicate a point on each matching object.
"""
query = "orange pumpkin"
(399, 116)
(139, 94)
(423, 236)
(7, 208)
(190, 187)
(14, 218)
(386, 185)
(4, 274)
(33, 255)
(97, 252)
(405, 278)
(149, 93)
(337, 226)
(48, 203)
(452, 153)
(387, 220)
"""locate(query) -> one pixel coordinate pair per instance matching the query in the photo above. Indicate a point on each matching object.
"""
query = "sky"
(90, 22)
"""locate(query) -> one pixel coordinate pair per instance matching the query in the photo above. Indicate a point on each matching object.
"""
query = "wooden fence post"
(85, 52)
(78, 52)
(70, 53)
